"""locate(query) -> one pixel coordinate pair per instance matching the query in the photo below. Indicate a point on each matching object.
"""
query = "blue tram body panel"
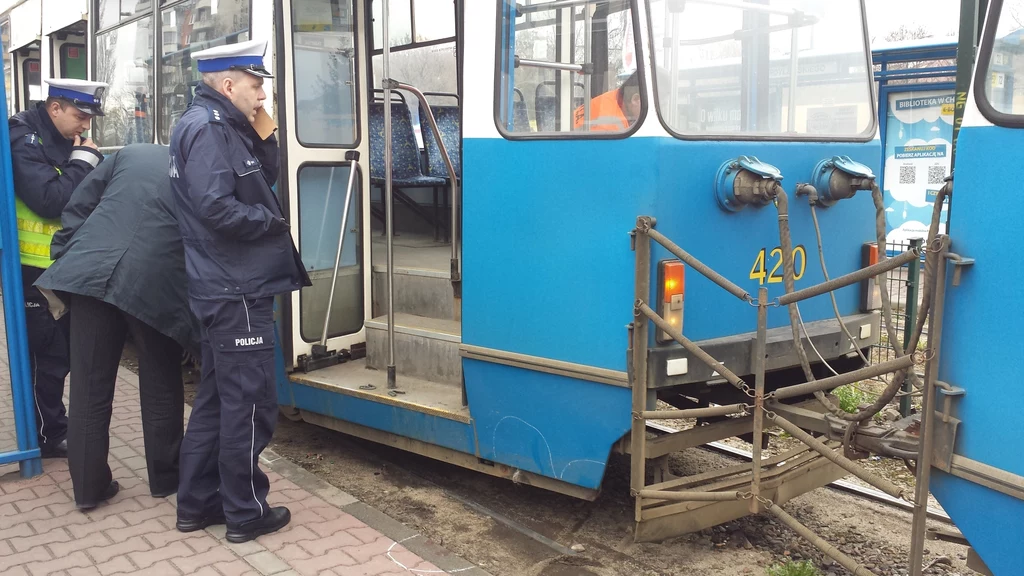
(548, 269)
(555, 426)
(982, 350)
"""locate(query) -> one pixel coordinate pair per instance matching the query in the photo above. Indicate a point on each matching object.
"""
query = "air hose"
(782, 204)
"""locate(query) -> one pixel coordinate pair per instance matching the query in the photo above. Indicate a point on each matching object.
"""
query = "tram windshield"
(786, 68)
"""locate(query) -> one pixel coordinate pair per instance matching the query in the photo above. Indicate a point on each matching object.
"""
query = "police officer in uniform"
(50, 158)
(238, 256)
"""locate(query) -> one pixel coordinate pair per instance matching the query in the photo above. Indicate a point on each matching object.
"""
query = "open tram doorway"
(335, 56)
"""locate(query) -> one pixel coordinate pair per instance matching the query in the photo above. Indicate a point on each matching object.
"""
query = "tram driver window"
(1002, 85)
(569, 71)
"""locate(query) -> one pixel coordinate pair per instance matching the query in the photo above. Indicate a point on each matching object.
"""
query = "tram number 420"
(760, 272)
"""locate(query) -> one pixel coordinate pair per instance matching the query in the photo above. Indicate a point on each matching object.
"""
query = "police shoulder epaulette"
(33, 139)
(215, 115)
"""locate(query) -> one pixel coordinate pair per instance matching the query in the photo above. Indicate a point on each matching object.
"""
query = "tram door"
(325, 109)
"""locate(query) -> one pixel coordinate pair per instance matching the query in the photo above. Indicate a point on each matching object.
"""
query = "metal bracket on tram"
(320, 356)
(746, 181)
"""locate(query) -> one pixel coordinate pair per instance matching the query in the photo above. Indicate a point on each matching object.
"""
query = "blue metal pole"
(14, 313)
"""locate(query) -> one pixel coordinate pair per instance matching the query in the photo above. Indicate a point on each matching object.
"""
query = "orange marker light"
(672, 286)
(675, 280)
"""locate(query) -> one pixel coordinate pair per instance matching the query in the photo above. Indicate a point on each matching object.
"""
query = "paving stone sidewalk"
(331, 532)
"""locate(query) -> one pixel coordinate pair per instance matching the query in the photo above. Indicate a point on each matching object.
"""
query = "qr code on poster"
(908, 174)
(936, 174)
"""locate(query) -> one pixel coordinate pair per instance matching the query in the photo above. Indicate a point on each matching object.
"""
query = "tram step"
(426, 348)
(418, 291)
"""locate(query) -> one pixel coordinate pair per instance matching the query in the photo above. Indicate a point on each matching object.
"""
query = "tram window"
(434, 19)
(72, 61)
(1003, 59)
(546, 90)
(187, 27)
(5, 39)
(321, 192)
(399, 27)
(428, 68)
(793, 69)
(113, 11)
(130, 79)
(30, 71)
(325, 79)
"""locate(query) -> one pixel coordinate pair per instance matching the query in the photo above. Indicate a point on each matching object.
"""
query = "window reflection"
(189, 27)
(324, 72)
(124, 61)
(322, 191)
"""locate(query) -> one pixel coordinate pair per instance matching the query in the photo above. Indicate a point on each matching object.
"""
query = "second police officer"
(50, 158)
(239, 255)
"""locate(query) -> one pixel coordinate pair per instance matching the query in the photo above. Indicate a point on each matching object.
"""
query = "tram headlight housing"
(870, 292)
(671, 289)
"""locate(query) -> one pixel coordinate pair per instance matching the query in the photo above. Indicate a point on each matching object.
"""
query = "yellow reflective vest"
(35, 234)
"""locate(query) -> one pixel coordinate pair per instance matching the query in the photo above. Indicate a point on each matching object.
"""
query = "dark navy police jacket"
(38, 150)
(237, 242)
(47, 167)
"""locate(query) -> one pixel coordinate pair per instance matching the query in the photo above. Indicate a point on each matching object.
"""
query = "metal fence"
(904, 287)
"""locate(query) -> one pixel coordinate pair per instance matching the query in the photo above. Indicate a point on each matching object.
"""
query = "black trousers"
(234, 412)
(48, 362)
(98, 332)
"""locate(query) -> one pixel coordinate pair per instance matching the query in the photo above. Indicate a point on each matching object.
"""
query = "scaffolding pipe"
(926, 434)
(692, 348)
(819, 542)
(852, 278)
(866, 373)
(759, 365)
(700, 266)
(710, 412)
(837, 459)
(691, 496)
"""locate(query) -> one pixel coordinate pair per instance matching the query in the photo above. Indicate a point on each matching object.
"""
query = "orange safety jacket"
(605, 113)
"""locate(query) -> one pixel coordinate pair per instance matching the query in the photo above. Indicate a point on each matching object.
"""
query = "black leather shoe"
(272, 521)
(112, 489)
(195, 524)
(56, 451)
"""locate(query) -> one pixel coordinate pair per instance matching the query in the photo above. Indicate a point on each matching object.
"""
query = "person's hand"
(88, 143)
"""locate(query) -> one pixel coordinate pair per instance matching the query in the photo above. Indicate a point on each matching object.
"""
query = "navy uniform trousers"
(234, 412)
(49, 342)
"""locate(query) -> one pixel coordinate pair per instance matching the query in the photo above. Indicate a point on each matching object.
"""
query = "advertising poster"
(918, 144)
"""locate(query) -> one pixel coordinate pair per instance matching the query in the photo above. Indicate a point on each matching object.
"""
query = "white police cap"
(85, 95)
(243, 56)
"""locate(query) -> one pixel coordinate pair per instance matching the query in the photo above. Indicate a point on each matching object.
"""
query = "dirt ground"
(432, 497)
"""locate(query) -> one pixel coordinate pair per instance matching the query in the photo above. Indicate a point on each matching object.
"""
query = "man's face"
(70, 121)
(632, 105)
(246, 92)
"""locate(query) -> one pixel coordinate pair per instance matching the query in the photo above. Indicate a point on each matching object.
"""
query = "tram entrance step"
(418, 291)
(353, 379)
(426, 348)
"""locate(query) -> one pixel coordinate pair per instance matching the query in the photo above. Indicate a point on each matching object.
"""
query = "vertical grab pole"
(389, 220)
(353, 157)
(794, 48)
(924, 456)
(588, 32)
(637, 436)
(759, 352)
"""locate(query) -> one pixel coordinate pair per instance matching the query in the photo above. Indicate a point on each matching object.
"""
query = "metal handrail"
(456, 266)
(353, 157)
